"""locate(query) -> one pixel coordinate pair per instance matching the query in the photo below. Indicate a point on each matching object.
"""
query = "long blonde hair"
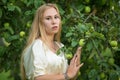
(38, 31)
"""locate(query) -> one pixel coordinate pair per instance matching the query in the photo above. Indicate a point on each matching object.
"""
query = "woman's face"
(51, 21)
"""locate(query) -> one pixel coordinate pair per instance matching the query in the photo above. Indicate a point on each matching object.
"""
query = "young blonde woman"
(39, 60)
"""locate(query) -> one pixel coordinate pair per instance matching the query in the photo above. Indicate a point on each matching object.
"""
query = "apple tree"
(94, 25)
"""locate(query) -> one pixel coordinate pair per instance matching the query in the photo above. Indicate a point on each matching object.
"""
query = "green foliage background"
(98, 27)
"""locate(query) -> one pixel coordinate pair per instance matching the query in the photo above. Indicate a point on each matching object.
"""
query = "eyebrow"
(50, 15)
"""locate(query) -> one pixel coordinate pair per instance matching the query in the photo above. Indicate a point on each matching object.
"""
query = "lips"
(54, 27)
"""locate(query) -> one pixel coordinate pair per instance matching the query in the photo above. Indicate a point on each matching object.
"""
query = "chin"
(55, 31)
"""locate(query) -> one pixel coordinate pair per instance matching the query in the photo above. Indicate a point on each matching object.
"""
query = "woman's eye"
(48, 18)
(56, 17)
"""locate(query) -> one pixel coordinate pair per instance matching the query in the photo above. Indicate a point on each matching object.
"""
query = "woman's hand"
(74, 64)
(78, 54)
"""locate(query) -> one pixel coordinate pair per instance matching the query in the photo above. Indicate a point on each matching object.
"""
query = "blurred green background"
(92, 24)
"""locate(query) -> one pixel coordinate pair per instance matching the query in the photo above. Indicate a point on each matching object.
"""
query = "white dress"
(40, 60)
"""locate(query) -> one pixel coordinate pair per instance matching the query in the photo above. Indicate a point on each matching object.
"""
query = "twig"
(88, 17)
(103, 21)
(92, 13)
(97, 49)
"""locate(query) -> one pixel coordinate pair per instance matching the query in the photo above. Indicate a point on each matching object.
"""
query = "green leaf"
(11, 38)
(113, 75)
(1, 42)
(113, 32)
(9, 29)
(0, 12)
(29, 12)
(82, 28)
(24, 1)
(89, 46)
(107, 52)
(61, 10)
(69, 34)
(30, 2)
(98, 35)
(11, 7)
(18, 9)
(37, 3)
(92, 74)
(2, 50)
(74, 43)
(4, 1)
(63, 49)
(93, 53)
(6, 35)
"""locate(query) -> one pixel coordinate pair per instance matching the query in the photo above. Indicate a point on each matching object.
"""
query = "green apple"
(28, 24)
(92, 29)
(102, 75)
(81, 42)
(6, 24)
(22, 33)
(112, 7)
(11, 3)
(113, 43)
(71, 10)
(69, 55)
(87, 34)
(5, 42)
(111, 61)
(87, 9)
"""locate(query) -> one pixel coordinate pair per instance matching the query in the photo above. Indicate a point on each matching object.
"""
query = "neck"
(51, 44)
(50, 39)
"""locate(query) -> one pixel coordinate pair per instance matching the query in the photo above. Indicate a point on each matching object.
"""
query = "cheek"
(47, 26)
(46, 23)
(59, 21)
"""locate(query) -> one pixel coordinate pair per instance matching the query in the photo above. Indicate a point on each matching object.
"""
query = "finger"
(76, 59)
(78, 52)
(76, 56)
(75, 62)
(73, 59)
(80, 65)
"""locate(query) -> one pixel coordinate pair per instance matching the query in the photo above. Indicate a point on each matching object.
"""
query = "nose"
(53, 21)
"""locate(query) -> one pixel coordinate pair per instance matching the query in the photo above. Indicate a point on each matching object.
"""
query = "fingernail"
(82, 64)
(79, 48)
